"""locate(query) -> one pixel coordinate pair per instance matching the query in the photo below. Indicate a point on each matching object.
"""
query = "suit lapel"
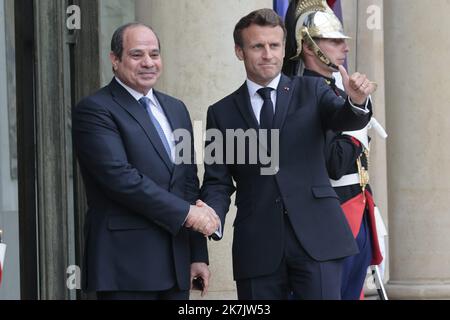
(284, 94)
(244, 105)
(135, 109)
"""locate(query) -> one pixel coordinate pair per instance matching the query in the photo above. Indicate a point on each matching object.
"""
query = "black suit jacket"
(138, 200)
(306, 108)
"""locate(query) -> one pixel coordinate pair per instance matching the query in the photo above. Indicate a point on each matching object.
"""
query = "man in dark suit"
(145, 238)
(289, 232)
(346, 153)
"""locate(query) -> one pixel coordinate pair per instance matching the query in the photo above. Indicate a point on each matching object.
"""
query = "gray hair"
(117, 38)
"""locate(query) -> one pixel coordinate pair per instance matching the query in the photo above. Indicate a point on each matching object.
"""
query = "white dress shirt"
(256, 100)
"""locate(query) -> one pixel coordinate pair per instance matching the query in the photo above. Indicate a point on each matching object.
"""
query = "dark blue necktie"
(266, 115)
(146, 102)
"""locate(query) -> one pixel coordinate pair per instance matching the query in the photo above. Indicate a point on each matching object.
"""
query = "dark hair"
(117, 38)
(261, 17)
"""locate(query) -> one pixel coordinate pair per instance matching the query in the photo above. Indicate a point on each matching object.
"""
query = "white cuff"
(219, 230)
(359, 110)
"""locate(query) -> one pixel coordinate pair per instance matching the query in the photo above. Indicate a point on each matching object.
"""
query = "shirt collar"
(136, 94)
(253, 86)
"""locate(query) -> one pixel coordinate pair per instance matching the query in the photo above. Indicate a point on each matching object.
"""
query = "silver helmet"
(315, 20)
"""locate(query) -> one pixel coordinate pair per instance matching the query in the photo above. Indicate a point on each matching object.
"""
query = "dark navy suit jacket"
(138, 200)
(306, 108)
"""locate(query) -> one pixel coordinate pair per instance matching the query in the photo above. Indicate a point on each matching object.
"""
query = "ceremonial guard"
(315, 46)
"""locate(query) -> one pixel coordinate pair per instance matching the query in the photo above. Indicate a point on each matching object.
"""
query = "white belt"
(346, 180)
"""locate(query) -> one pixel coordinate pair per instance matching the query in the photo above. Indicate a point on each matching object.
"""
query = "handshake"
(202, 218)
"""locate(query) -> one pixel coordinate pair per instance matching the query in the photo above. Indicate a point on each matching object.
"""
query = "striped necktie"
(147, 103)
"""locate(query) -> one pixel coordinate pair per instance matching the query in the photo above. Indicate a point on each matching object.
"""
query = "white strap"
(2, 254)
(346, 180)
(378, 128)
(361, 135)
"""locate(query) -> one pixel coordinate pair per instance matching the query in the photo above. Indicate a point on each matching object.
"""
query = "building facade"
(53, 52)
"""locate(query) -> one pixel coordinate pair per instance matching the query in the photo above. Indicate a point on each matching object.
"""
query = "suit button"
(277, 200)
(285, 211)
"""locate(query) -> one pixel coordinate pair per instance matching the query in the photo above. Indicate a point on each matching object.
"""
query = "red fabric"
(356, 141)
(331, 3)
(377, 257)
(354, 211)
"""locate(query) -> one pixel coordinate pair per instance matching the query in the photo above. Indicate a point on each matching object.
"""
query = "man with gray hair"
(145, 237)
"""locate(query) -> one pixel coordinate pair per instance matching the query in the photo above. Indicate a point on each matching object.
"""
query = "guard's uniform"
(307, 21)
(347, 164)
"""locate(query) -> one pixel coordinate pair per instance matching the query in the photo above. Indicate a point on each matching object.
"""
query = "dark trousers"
(355, 267)
(298, 273)
(172, 294)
